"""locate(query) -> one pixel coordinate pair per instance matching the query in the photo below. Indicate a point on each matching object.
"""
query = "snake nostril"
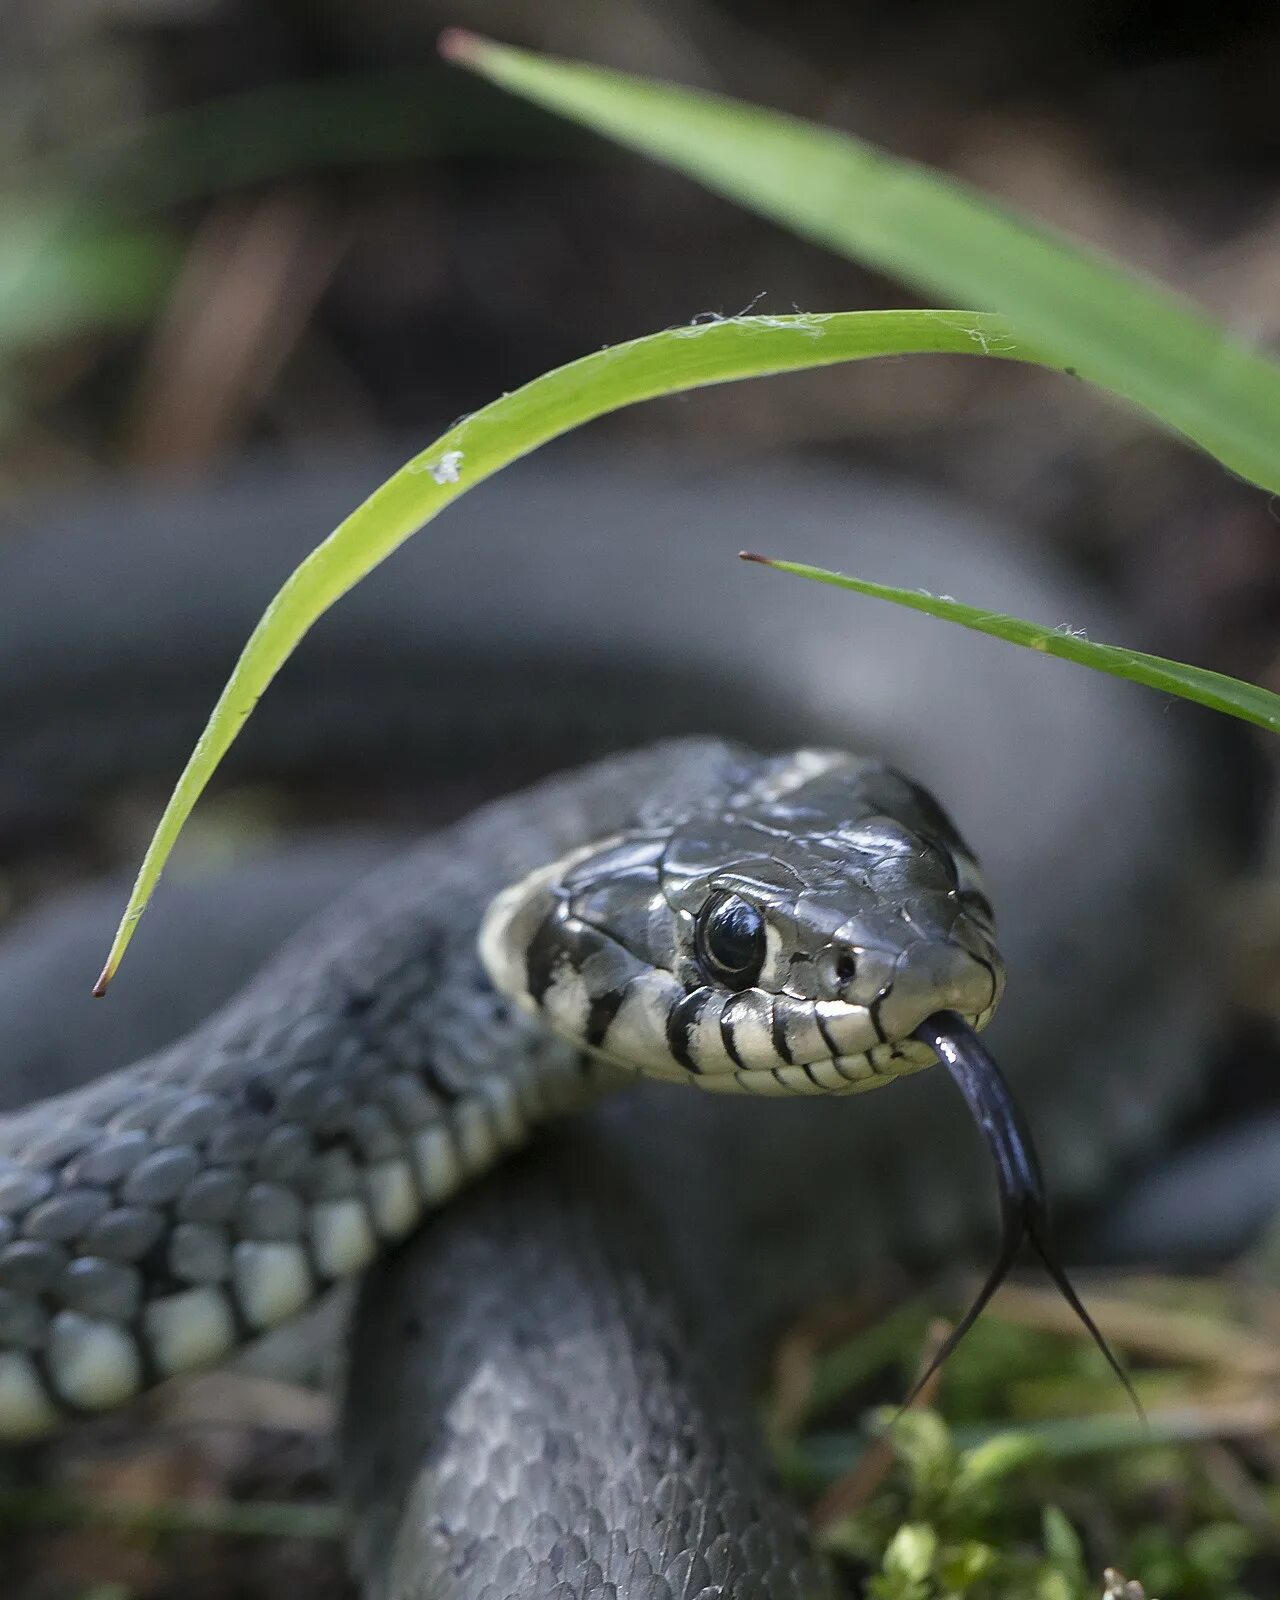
(846, 967)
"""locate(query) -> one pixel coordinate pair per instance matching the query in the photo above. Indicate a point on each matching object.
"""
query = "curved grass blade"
(1135, 337)
(1216, 690)
(671, 362)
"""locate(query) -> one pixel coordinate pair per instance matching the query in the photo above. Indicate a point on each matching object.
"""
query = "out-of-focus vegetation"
(1036, 1482)
(92, 233)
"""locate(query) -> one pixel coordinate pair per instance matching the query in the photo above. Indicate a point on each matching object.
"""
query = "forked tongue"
(1024, 1211)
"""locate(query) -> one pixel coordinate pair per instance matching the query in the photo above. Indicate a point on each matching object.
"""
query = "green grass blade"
(1213, 689)
(1134, 337)
(665, 363)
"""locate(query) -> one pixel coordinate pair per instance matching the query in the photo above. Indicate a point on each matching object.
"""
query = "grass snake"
(541, 1395)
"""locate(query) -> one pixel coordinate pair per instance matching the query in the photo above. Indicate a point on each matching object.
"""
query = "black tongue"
(1024, 1210)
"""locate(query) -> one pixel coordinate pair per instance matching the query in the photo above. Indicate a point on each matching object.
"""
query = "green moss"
(1036, 1482)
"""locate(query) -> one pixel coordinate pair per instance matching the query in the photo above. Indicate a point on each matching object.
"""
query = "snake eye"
(730, 940)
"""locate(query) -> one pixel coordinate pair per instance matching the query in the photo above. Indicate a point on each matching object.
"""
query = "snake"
(538, 1401)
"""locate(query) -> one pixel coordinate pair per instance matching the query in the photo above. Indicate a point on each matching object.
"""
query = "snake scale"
(540, 1397)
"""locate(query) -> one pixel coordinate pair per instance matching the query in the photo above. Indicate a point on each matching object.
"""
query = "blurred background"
(273, 227)
(254, 223)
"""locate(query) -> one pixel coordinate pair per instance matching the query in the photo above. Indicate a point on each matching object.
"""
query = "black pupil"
(733, 940)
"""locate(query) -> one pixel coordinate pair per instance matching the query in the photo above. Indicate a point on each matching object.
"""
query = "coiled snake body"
(776, 924)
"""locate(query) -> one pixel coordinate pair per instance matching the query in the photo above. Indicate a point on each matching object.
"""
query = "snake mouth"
(1024, 1208)
(838, 1059)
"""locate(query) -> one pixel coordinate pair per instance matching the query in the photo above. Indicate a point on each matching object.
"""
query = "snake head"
(789, 938)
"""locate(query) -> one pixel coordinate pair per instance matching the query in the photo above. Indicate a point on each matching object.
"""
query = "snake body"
(158, 1216)
(151, 1221)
